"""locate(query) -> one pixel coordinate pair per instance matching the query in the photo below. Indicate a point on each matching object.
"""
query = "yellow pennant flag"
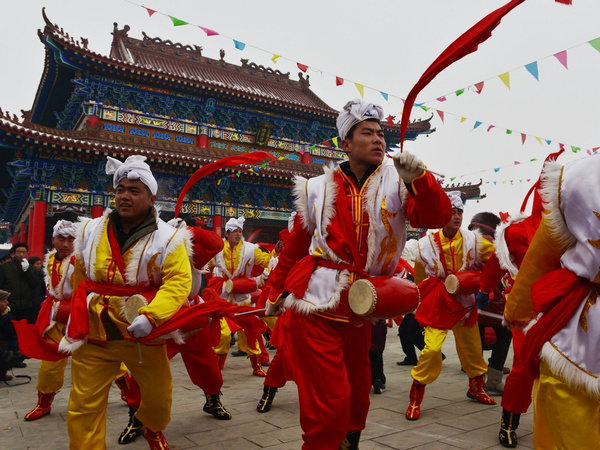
(275, 58)
(335, 142)
(505, 77)
(539, 140)
(462, 119)
(361, 89)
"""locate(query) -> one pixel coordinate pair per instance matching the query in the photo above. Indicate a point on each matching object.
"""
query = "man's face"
(63, 245)
(455, 223)
(234, 237)
(367, 145)
(133, 200)
(20, 254)
(3, 305)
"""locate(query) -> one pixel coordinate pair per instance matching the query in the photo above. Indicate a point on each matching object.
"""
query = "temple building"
(180, 109)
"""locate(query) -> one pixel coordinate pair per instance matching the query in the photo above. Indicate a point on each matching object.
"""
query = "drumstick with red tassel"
(439, 175)
(480, 312)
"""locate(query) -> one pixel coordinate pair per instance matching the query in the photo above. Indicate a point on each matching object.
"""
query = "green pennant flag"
(460, 91)
(533, 159)
(508, 131)
(177, 22)
(575, 149)
(238, 174)
(595, 43)
(424, 108)
(453, 178)
(264, 166)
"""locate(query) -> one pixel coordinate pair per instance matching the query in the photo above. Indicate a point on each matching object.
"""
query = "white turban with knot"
(134, 168)
(356, 111)
(233, 224)
(64, 228)
(455, 199)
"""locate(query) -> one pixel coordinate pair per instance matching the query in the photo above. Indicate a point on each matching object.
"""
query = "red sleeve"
(296, 247)
(491, 275)
(427, 206)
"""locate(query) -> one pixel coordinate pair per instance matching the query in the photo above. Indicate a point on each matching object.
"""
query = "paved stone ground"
(449, 419)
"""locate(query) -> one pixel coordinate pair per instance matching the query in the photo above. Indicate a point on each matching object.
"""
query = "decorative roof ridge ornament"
(252, 66)
(170, 45)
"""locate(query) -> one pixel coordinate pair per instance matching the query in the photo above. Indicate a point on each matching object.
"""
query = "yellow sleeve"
(262, 258)
(79, 273)
(542, 257)
(420, 273)
(175, 288)
(487, 249)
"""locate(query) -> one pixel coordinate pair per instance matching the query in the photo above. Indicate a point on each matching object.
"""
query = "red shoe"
(123, 385)
(476, 391)
(417, 391)
(156, 441)
(43, 407)
(256, 367)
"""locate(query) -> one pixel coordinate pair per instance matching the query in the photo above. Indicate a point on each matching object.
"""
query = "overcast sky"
(384, 45)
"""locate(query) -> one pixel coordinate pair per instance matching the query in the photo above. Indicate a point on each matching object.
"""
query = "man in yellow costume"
(125, 254)
(236, 261)
(558, 283)
(450, 250)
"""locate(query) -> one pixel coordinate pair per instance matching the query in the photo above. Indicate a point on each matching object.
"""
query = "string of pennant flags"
(532, 68)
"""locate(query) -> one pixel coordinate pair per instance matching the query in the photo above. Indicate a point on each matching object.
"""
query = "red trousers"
(332, 371)
(519, 384)
(200, 361)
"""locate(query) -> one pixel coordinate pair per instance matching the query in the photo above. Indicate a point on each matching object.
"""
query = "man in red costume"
(353, 225)
(447, 251)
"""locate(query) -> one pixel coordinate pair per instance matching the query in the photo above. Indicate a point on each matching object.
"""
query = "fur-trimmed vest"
(316, 205)
(243, 270)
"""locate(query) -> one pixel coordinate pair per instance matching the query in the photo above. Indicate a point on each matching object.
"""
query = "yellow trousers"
(94, 367)
(468, 347)
(564, 418)
(225, 342)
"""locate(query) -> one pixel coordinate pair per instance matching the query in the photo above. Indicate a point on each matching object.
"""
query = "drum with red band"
(61, 311)
(241, 286)
(383, 297)
(463, 283)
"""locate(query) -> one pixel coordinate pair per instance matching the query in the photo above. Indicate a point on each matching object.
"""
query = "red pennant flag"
(467, 43)
(479, 87)
(523, 137)
(150, 11)
(235, 160)
(441, 114)
(390, 120)
(326, 143)
(208, 31)
(302, 67)
(339, 81)
(562, 58)
(565, 2)
(490, 127)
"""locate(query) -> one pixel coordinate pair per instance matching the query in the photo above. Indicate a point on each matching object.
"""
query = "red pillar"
(38, 232)
(305, 158)
(217, 223)
(203, 141)
(30, 228)
(23, 234)
(97, 211)
(15, 238)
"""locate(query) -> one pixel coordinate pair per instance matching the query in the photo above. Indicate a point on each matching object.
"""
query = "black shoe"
(213, 406)
(238, 353)
(443, 357)
(18, 364)
(264, 404)
(378, 387)
(132, 430)
(407, 362)
(508, 426)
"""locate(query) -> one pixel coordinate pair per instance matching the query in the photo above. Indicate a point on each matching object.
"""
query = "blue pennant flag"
(532, 68)
(239, 45)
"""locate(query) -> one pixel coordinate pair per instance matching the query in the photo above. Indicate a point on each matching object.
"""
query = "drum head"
(362, 297)
(132, 305)
(229, 286)
(452, 284)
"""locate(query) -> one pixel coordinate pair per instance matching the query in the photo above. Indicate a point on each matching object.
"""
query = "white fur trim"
(331, 192)
(502, 253)
(67, 346)
(178, 336)
(301, 202)
(550, 193)
(304, 307)
(369, 199)
(569, 372)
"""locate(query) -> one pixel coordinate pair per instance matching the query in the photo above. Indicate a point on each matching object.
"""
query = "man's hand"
(483, 300)
(140, 327)
(409, 167)
(274, 309)
(24, 265)
(279, 246)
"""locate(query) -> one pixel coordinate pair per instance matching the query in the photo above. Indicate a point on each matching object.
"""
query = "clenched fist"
(408, 166)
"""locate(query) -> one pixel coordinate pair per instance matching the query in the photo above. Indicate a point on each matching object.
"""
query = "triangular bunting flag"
(441, 99)
(594, 43)
(302, 67)
(532, 68)
(523, 137)
(517, 163)
(208, 31)
(539, 140)
(384, 95)
(302, 152)
(562, 58)
(460, 91)
(150, 11)
(532, 159)
(497, 169)
(275, 58)
(177, 22)
(335, 142)
(361, 89)
(477, 123)
(575, 149)
(508, 131)
(462, 119)
(239, 45)
(490, 127)
(390, 120)
(339, 81)
(505, 77)
(548, 141)
(479, 87)
(441, 114)
(452, 178)
(424, 108)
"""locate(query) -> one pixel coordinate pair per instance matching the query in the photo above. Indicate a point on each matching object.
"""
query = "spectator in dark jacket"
(39, 293)
(18, 278)
(9, 345)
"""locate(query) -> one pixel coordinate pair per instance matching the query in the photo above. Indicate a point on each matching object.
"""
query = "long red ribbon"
(235, 160)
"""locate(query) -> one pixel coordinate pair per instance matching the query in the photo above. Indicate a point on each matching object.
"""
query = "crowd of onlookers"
(22, 290)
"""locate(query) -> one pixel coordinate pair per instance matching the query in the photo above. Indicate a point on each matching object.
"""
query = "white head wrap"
(64, 228)
(134, 168)
(356, 111)
(233, 224)
(455, 199)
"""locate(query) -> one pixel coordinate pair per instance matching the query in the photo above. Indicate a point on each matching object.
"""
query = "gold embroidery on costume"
(152, 268)
(389, 244)
(588, 304)
(470, 258)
